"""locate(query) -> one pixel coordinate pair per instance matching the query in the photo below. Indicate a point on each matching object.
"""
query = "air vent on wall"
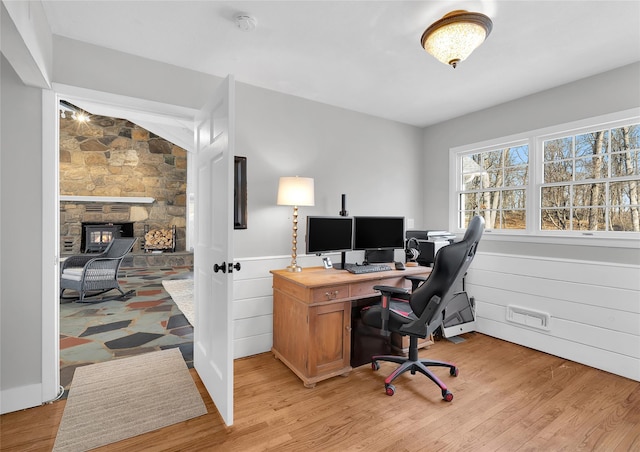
(120, 209)
(529, 317)
(67, 244)
(93, 208)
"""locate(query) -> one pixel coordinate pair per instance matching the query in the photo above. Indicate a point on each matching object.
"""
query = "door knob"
(232, 266)
(217, 268)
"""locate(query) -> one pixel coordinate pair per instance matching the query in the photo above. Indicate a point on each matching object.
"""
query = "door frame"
(165, 114)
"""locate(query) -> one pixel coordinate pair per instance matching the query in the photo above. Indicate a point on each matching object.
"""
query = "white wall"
(369, 159)
(20, 240)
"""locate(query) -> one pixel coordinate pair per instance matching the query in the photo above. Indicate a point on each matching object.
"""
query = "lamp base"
(294, 268)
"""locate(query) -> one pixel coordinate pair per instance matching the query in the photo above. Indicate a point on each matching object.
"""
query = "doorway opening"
(117, 178)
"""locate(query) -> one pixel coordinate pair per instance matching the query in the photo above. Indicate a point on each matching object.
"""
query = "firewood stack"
(159, 239)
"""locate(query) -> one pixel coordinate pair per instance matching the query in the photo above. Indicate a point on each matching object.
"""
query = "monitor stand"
(343, 258)
(378, 256)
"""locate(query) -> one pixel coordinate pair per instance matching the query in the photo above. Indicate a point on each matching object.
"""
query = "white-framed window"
(590, 180)
(579, 179)
(493, 183)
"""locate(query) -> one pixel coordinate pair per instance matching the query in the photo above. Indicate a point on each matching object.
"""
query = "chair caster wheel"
(447, 396)
(375, 365)
(390, 389)
(453, 371)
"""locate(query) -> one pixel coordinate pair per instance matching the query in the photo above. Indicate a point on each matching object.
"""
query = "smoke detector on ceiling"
(245, 22)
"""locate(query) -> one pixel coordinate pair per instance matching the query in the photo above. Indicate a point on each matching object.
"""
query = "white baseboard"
(20, 398)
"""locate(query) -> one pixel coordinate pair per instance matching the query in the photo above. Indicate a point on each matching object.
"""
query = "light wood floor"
(506, 397)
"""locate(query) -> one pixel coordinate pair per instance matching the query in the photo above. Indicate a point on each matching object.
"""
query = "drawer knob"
(331, 295)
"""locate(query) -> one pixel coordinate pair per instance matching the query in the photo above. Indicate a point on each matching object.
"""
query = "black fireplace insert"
(96, 236)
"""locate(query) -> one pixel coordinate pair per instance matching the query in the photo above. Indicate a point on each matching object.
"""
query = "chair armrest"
(79, 260)
(391, 290)
(416, 280)
(419, 326)
(387, 292)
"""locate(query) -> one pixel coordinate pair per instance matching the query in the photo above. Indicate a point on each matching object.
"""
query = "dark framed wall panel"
(240, 193)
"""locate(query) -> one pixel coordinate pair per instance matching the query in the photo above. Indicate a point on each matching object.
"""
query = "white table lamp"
(295, 191)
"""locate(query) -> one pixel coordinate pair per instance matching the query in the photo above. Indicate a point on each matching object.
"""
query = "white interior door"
(213, 282)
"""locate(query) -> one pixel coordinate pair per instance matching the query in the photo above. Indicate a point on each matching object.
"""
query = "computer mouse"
(399, 266)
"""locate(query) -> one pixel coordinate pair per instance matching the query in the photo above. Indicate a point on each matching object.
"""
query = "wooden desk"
(312, 316)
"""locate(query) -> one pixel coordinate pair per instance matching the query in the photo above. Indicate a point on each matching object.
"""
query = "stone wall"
(112, 157)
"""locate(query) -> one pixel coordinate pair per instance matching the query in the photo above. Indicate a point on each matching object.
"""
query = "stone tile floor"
(145, 321)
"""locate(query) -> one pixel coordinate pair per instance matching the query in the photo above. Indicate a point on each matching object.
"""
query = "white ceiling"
(366, 55)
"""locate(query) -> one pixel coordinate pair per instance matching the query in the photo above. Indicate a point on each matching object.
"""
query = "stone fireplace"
(113, 172)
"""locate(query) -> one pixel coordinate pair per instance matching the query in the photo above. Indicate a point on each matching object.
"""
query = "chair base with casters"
(414, 364)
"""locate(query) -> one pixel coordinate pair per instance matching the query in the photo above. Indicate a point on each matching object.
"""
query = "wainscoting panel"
(593, 308)
(253, 302)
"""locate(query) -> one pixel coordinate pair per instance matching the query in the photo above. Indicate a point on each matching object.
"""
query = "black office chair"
(424, 311)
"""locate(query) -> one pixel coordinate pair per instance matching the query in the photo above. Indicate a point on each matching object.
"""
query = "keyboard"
(369, 268)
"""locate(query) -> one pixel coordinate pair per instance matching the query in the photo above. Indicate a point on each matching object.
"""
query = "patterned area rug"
(122, 398)
(181, 291)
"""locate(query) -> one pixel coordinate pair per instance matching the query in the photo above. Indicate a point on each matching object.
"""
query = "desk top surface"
(320, 276)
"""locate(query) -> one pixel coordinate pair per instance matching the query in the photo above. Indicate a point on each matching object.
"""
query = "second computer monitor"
(378, 233)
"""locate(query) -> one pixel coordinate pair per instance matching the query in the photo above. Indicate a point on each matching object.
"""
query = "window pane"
(471, 181)
(592, 143)
(491, 219)
(625, 163)
(624, 219)
(468, 215)
(489, 200)
(518, 155)
(589, 194)
(471, 164)
(589, 219)
(469, 201)
(625, 138)
(624, 193)
(556, 196)
(558, 171)
(513, 219)
(492, 159)
(492, 178)
(591, 167)
(555, 220)
(516, 176)
(513, 199)
(558, 149)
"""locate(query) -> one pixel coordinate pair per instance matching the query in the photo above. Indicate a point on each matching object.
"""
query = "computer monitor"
(328, 234)
(378, 233)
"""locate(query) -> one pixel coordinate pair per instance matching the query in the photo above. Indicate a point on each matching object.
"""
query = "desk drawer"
(364, 289)
(330, 293)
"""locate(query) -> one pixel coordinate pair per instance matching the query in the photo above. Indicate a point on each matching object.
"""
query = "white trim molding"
(123, 199)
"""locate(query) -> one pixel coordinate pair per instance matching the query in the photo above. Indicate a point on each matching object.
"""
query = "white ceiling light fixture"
(245, 22)
(453, 38)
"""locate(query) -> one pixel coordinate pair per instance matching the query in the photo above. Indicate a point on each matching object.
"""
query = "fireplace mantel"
(124, 199)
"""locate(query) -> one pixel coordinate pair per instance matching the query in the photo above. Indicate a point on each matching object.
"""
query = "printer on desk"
(427, 243)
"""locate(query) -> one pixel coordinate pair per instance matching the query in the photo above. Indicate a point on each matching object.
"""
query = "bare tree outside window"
(494, 186)
(590, 181)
